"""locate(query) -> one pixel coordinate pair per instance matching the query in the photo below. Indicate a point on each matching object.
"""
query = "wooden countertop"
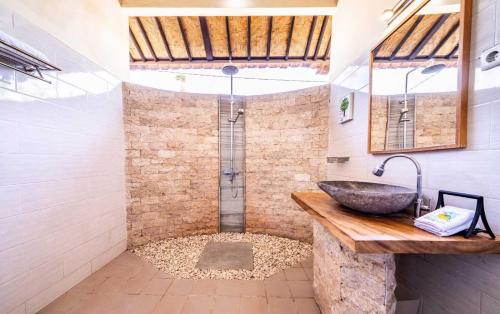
(368, 234)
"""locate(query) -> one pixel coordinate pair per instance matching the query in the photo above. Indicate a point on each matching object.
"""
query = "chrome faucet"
(379, 171)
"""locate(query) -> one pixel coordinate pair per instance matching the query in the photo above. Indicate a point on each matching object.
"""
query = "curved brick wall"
(172, 163)
(286, 147)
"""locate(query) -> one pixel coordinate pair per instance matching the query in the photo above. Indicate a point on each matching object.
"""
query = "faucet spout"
(379, 171)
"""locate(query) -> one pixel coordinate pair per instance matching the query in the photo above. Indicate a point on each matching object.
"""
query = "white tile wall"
(449, 284)
(62, 206)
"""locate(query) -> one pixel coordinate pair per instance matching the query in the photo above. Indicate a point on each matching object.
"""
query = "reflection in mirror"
(414, 91)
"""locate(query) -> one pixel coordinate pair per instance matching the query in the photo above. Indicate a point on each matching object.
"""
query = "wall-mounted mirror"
(419, 80)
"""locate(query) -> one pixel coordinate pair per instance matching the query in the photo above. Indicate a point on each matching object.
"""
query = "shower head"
(230, 70)
(241, 111)
(433, 68)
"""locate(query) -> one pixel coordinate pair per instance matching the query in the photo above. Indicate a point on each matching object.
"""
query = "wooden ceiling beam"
(228, 33)
(406, 36)
(421, 44)
(444, 40)
(452, 52)
(269, 37)
(136, 45)
(289, 40)
(249, 38)
(146, 38)
(310, 36)
(321, 34)
(206, 38)
(184, 38)
(327, 52)
(164, 38)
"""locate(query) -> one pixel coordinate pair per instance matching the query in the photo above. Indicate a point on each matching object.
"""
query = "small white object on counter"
(446, 221)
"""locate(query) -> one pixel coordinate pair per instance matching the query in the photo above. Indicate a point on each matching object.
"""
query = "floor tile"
(278, 276)
(307, 263)
(295, 274)
(170, 304)
(135, 285)
(157, 286)
(309, 273)
(282, 306)
(253, 288)
(228, 287)
(204, 287)
(301, 289)
(277, 289)
(253, 305)
(180, 287)
(226, 305)
(112, 285)
(141, 304)
(198, 305)
(307, 306)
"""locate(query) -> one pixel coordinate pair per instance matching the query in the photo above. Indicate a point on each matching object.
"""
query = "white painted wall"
(449, 284)
(62, 181)
(98, 29)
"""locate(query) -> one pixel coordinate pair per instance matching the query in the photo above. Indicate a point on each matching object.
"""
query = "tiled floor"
(130, 285)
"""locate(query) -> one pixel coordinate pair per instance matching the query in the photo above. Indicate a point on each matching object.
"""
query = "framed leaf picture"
(345, 108)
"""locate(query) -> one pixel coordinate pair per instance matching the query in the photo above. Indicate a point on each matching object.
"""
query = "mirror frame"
(463, 82)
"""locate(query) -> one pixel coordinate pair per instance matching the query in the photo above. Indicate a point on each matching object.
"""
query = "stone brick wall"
(347, 282)
(172, 163)
(436, 116)
(286, 145)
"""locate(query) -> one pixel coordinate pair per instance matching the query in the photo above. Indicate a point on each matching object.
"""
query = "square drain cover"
(226, 255)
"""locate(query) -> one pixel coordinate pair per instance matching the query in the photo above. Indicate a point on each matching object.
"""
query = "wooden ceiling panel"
(421, 38)
(154, 36)
(315, 35)
(238, 26)
(279, 38)
(173, 36)
(259, 31)
(276, 40)
(418, 34)
(141, 40)
(451, 24)
(325, 42)
(193, 35)
(218, 35)
(299, 36)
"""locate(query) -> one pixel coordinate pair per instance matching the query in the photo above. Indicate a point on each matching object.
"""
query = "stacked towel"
(446, 221)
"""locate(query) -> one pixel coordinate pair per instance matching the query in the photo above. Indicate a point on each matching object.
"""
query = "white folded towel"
(445, 221)
(22, 46)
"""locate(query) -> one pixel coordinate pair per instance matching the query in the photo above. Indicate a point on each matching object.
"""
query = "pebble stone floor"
(128, 284)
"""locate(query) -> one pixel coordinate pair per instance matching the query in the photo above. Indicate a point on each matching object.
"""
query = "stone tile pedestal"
(347, 282)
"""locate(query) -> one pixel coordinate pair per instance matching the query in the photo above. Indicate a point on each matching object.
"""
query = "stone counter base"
(347, 282)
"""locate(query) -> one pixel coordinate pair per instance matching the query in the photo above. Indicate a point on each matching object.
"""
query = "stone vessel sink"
(370, 198)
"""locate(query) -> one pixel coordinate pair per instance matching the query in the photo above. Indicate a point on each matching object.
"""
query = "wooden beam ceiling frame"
(228, 33)
(164, 38)
(269, 37)
(452, 52)
(444, 40)
(321, 34)
(327, 52)
(206, 38)
(136, 45)
(406, 36)
(289, 40)
(249, 38)
(435, 27)
(184, 38)
(218, 60)
(146, 38)
(310, 36)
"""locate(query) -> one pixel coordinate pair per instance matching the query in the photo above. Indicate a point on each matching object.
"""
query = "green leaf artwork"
(344, 105)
